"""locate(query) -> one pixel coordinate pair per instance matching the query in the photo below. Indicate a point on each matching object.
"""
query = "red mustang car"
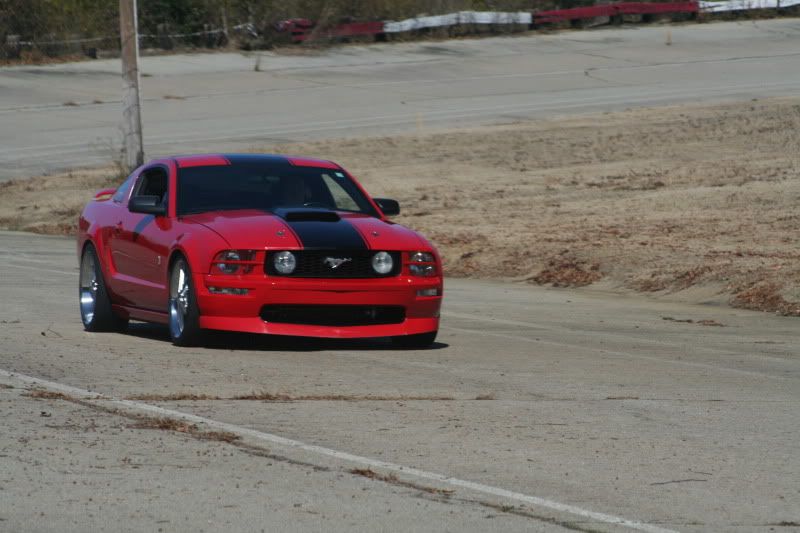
(255, 243)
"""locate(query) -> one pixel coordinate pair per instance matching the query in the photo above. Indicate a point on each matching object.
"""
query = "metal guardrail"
(301, 30)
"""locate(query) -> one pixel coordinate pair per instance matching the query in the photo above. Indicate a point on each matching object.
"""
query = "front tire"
(184, 314)
(418, 341)
(95, 304)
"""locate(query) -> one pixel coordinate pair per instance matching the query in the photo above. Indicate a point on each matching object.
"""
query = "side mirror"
(388, 206)
(149, 205)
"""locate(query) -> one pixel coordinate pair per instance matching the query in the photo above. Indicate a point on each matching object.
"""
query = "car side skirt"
(145, 315)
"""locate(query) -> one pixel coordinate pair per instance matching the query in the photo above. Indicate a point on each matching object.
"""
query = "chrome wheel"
(179, 294)
(88, 287)
(97, 312)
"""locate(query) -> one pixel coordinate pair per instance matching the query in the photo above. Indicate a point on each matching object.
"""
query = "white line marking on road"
(616, 352)
(343, 456)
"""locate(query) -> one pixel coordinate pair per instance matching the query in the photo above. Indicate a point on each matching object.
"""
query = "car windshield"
(267, 186)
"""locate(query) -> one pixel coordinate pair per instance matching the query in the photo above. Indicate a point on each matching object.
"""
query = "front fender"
(199, 246)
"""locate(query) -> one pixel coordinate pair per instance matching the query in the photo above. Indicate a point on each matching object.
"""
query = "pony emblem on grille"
(336, 262)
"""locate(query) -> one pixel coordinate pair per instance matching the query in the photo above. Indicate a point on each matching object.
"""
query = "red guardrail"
(303, 29)
(354, 29)
(303, 32)
(610, 10)
(652, 8)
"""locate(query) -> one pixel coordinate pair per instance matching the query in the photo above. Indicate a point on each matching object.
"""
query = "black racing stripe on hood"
(328, 235)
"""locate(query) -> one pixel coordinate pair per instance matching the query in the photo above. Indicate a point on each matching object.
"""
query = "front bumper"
(243, 312)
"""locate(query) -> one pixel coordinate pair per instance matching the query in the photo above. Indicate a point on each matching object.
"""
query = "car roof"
(198, 160)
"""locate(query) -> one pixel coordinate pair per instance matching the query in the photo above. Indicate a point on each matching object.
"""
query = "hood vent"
(307, 215)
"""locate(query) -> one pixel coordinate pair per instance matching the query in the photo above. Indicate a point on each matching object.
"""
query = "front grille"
(311, 264)
(334, 315)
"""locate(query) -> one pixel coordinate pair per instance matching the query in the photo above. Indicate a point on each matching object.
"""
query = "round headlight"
(382, 263)
(228, 268)
(285, 262)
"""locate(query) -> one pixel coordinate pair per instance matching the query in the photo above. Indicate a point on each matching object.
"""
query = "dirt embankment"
(657, 200)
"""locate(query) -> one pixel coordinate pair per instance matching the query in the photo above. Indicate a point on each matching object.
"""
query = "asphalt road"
(539, 410)
(63, 116)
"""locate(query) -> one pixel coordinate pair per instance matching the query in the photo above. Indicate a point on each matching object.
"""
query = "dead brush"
(179, 396)
(565, 271)
(394, 480)
(181, 426)
(264, 396)
(220, 436)
(46, 395)
(167, 424)
(765, 297)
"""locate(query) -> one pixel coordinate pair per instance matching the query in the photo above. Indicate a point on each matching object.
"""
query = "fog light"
(230, 255)
(235, 291)
(234, 262)
(428, 292)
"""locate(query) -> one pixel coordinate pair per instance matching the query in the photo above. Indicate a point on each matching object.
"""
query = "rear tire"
(418, 341)
(184, 314)
(95, 304)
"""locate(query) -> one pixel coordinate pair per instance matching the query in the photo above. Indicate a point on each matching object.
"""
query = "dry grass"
(656, 200)
(168, 424)
(766, 296)
(47, 395)
(564, 271)
(142, 422)
(51, 204)
(179, 396)
(180, 426)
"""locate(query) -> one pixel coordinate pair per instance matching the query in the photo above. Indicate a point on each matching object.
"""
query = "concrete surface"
(602, 402)
(63, 116)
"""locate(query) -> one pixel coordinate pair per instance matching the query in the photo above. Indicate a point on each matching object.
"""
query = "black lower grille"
(319, 264)
(334, 315)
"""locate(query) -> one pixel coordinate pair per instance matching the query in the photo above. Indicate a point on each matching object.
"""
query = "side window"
(123, 190)
(153, 182)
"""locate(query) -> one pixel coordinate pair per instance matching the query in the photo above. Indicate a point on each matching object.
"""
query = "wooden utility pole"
(224, 15)
(132, 103)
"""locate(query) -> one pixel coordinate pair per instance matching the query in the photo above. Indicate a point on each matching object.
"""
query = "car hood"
(252, 229)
